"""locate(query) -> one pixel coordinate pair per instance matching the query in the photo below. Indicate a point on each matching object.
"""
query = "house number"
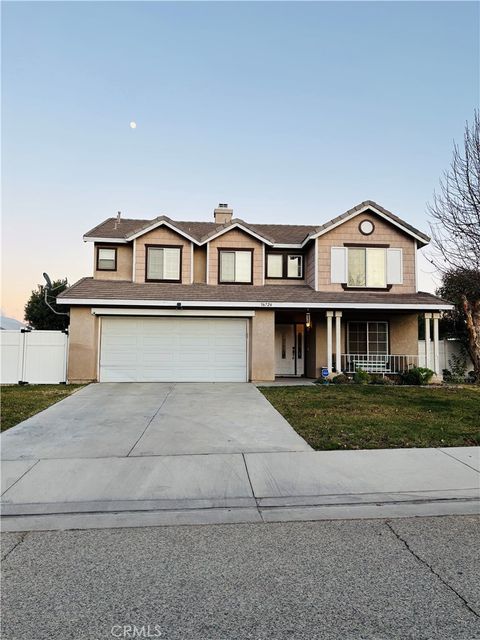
(265, 304)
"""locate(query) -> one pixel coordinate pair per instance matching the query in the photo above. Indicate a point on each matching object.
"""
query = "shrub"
(341, 379)
(458, 368)
(378, 378)
(417, 375)
(361, 377)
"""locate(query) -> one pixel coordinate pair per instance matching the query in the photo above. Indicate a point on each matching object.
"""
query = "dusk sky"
(290, 112)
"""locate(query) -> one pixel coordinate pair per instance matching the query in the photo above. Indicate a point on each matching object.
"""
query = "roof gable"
(369, 205)
(111, 230)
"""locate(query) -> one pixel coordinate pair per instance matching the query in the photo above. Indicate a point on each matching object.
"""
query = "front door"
(289, 350)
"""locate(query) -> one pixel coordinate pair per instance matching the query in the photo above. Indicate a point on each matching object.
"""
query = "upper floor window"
(284, 265)
(106, 259)
(235, 266)
(374, 267)
(367, 267)
(163, 263)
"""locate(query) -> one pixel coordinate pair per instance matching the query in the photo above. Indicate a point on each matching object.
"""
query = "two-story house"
(233, 301)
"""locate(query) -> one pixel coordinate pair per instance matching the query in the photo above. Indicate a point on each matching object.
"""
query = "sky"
(291, 112)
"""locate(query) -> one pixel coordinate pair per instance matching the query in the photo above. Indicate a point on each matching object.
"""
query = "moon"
(133, 125)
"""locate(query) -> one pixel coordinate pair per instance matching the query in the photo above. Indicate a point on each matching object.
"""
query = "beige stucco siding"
(163, 236)
(262, 346)
(404, 334)
(235, 239)
(124, 263)
(384, 233)
(83, 345)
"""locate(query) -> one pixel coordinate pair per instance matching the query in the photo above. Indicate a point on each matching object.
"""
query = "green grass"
(374, 417)
(19, 402)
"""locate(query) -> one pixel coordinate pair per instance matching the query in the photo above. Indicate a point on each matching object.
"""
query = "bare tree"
(456, 207)
(456, 235)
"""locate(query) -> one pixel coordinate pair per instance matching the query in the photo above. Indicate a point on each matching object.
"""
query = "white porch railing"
(377, 363)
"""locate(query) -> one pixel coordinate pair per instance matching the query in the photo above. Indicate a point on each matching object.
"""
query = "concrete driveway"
(116, 455)
(153, 419)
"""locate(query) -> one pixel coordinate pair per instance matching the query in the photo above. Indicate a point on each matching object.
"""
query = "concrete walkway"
(122, 455)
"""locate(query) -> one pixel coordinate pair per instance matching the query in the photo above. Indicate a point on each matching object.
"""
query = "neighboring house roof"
(201, 232)
(10, 324)
(126, 293)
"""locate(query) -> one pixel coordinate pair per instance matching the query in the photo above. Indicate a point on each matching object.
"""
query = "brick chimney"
(223, 214)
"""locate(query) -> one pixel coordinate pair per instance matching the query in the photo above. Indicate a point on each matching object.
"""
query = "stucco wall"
(384, 233)
(83, 345)
(404, 334)
(124, 263)
(262, 346)
(235, 239)
(162, 235)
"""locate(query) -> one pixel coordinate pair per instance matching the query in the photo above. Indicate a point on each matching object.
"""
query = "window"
(294, 266)
(235, 266)
(106, 259)
(163, 263)
(275, 265)
(366, 267)
(284, 265)
(368, 338)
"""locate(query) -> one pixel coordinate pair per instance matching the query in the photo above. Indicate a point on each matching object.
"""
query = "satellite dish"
(47, 280)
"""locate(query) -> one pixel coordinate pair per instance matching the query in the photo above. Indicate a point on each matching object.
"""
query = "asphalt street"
(413, 578)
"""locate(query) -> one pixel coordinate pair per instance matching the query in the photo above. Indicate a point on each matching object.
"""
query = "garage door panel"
(173, 350)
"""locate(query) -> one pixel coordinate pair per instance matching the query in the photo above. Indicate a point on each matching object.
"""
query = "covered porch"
(342, 341)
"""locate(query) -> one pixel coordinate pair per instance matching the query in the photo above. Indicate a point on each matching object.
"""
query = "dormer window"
(106, 259)
(235, 266)
(163, 263)
(285, 265)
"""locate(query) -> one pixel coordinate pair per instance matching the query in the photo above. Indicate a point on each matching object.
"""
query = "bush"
(341, 379)
(417, 375)
(378, 378)
(458, 368)
(361, 377)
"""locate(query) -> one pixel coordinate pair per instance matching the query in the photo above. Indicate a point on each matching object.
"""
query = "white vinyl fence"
(38, 357)
(446, 349)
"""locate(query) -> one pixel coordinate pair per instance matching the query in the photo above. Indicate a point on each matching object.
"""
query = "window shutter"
(338, 271)
(394, 266)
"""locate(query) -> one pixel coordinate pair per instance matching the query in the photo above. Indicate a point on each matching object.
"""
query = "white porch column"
(436, 344)
(428, 362)
(338, 341)
(329, 315)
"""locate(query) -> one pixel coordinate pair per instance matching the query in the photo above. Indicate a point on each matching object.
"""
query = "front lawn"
(374, 417)
(19, 402)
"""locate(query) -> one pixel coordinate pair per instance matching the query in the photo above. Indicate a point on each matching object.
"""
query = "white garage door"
(173, 350)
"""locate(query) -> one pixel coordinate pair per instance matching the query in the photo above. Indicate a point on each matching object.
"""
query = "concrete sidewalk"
(82, 493)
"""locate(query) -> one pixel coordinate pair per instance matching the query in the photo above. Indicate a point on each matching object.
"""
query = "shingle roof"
(275, 233)
(91, 289)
